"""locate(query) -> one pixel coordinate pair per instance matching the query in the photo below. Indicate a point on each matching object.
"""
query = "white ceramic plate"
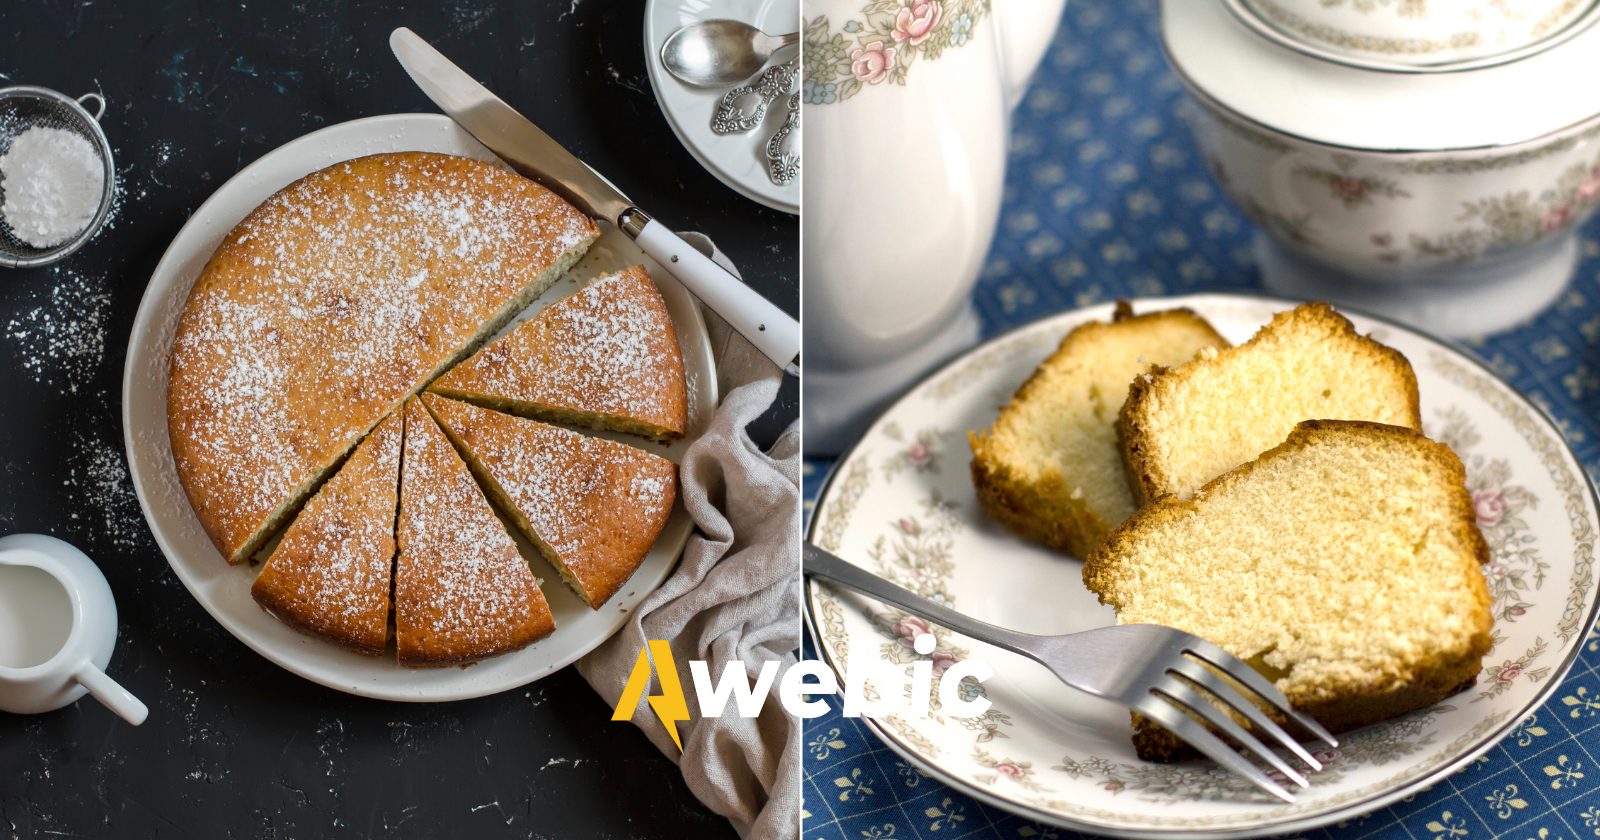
(736, 159)
(225, 590)
(901, 504)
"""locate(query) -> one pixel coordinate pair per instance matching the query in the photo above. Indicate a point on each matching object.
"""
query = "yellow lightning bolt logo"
(669, 705)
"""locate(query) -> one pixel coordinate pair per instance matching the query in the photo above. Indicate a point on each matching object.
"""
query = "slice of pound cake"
(1342, 564)
(1050, 467)
(605, 356)
(592, 507)
(330, 573)
(1186, 425)
(461, 588)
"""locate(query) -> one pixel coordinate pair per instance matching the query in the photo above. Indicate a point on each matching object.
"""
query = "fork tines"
(1193, 693)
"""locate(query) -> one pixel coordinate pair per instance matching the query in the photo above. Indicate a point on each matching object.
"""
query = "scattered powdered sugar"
(647, 487)
(61, 338)
(53, 180)
(97, 474)
(460, 582)
(608, 348)
(580, 494)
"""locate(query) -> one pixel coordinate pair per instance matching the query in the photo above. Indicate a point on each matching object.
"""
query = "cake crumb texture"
(1344, 564)
(1183, 426)
(1050, 467)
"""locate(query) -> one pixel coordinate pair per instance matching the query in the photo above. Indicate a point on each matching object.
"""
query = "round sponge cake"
(332, 302)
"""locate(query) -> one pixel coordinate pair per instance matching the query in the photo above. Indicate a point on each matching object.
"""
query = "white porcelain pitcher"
(58, 625)
(907, 112)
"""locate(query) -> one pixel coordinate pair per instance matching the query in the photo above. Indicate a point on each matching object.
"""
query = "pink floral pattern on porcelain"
(907, 629)
(1495, 202)
(1589, 190)
(872, 62)
(878, 45)
(1490, 506)
(916, 20)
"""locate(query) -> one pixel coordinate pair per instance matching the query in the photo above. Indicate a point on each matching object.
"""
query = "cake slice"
(461, 588)
(605, 357)
(330, 573)
(1184, 426)
(1050, 467)
(1342, 564)
(593, 507)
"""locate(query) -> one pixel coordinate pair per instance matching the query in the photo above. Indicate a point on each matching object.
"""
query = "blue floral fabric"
(1106, 197)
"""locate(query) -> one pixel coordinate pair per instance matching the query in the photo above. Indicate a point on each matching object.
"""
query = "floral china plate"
(901, 505)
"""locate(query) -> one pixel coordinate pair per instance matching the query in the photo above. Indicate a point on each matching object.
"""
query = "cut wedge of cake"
(1050, 467)
(462, 590)
(1343, 564)
(330, 573)
(605, 357)
(593, 507)
(332, 302)
(1186, 425)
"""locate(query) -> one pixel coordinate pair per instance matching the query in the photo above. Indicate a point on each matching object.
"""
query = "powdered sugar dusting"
(331, 572)
(61, 338)
(609, 349)
(461, 587)
(330, 303)
(597, 504)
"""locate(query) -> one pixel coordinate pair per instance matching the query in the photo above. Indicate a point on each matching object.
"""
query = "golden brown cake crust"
(593, 507)
(462, 590)
(1346, 711)
(605, 356)
(330, 574)
(329, 304)
(1015, 503)
(1045, 509)
(1147, 474)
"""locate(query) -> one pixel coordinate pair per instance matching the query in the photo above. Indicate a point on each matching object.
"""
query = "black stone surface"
(235, 746)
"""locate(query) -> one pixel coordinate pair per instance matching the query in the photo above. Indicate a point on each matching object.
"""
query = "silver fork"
(1157, 671)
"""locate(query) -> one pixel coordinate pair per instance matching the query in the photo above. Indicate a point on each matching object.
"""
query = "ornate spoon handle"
(783, 165)
(732, 115)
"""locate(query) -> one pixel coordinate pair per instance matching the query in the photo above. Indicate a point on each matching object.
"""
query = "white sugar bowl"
(1430, 161)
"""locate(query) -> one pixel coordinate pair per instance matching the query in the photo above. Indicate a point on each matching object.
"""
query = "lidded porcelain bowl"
(1427, 159)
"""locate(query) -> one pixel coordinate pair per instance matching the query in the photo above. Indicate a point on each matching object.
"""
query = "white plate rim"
(1343, 811)
(141, 336)
(769, 195)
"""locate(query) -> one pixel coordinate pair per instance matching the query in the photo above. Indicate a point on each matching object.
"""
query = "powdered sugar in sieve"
(56, 174)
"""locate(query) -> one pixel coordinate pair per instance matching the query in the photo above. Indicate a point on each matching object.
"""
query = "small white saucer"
(735, 159)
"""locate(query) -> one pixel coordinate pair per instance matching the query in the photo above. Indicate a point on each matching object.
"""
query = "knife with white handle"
(530, 151)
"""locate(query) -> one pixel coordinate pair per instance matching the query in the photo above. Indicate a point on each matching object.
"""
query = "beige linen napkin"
(735, 597)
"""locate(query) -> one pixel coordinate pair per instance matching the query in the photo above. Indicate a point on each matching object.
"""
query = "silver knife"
(530, 151)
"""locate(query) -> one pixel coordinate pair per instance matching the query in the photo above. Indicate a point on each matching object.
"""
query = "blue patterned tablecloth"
(1106, 196)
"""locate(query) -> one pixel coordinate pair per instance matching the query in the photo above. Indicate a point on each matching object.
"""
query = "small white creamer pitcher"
(58, 625)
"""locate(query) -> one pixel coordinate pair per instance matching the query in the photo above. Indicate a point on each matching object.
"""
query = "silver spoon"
(716, 53)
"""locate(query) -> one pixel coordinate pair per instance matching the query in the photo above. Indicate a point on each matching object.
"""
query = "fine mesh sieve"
(23, 107)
